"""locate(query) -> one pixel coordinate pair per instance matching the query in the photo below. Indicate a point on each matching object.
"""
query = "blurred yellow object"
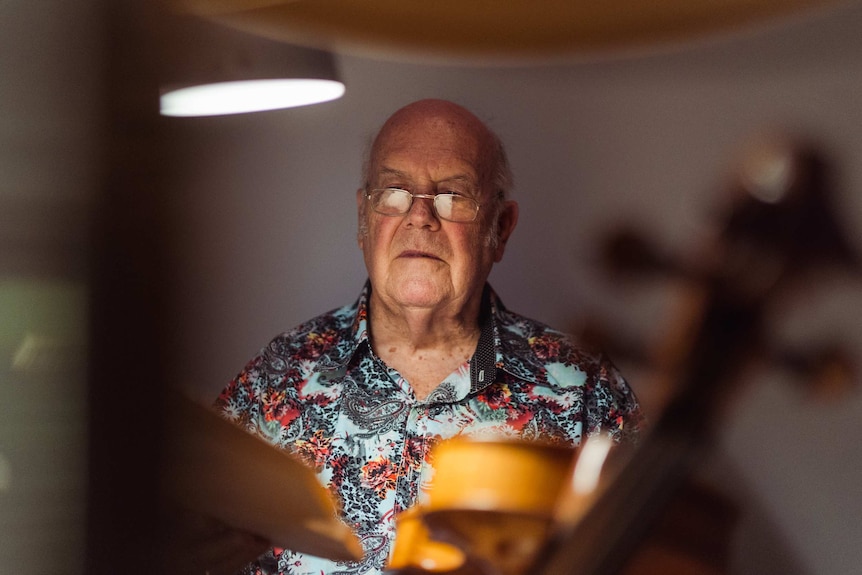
(477, 31)
(498, 475)
(494, 500)
(414, 549)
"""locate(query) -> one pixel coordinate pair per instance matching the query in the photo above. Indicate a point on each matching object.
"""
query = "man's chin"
(419, 301)
(420, 293)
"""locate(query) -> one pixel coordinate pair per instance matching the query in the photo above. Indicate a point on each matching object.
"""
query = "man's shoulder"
(526, 326)
(317, 334)
(549, 344)
(338, 319)
(318, 343)
(564, 363)
(534, 351)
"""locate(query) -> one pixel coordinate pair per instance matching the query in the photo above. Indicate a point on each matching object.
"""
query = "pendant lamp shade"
(210, 69)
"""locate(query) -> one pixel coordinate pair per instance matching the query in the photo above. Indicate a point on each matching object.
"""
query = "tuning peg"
(595, 334)
(627, 253)
(785, 204)
(827, 372)
(769, 167)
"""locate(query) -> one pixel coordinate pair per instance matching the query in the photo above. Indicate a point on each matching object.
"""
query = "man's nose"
(422, 212)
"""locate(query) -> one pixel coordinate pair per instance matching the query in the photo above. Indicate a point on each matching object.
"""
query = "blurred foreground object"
(215, 470)
(493, 503)
(475, 31)
(780, 236)
(780, 227)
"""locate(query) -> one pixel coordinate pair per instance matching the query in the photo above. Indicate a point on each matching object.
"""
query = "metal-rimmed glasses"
(448, 206)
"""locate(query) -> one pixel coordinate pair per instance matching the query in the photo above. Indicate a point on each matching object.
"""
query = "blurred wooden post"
(129, 285)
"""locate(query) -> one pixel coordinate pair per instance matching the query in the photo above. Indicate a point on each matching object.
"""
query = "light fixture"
(210, 69)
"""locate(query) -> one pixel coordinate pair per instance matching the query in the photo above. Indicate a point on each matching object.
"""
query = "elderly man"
(428, 351)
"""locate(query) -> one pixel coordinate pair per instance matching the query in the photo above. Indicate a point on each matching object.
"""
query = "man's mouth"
(417, 254)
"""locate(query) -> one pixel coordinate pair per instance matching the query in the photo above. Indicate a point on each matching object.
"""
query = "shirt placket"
(415, 439)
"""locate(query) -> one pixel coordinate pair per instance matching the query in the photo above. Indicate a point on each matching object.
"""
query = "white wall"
(265, 206)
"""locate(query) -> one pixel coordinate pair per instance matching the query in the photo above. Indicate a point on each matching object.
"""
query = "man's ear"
(361, 228)
(506, 223)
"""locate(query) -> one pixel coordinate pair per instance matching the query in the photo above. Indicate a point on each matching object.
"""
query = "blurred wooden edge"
(415, 550)
(499, 542)
(474, 32)
(214, 468)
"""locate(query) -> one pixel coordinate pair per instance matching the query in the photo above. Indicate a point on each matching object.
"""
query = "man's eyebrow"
(461, 178)
(392, 172)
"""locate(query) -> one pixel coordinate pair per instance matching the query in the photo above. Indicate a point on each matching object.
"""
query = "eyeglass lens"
(395, 202)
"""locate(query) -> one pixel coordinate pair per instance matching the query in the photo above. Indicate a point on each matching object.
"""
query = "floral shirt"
(320, 392)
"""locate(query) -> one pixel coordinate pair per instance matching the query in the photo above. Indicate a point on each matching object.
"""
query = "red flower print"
(415, 452)
(317, 344)
(276, 407)
(496, 396)
(545, 346)
(286, 413)
(316, 449)
(379, 475)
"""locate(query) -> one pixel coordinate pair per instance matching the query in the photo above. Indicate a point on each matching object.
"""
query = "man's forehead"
(404, 150)
(443, 138)
(434, 158)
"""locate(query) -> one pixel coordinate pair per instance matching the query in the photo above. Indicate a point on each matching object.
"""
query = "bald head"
(444, 117)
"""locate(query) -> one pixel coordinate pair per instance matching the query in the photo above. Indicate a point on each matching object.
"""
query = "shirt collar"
(500, 346)
(354, 334)
(512, 351)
